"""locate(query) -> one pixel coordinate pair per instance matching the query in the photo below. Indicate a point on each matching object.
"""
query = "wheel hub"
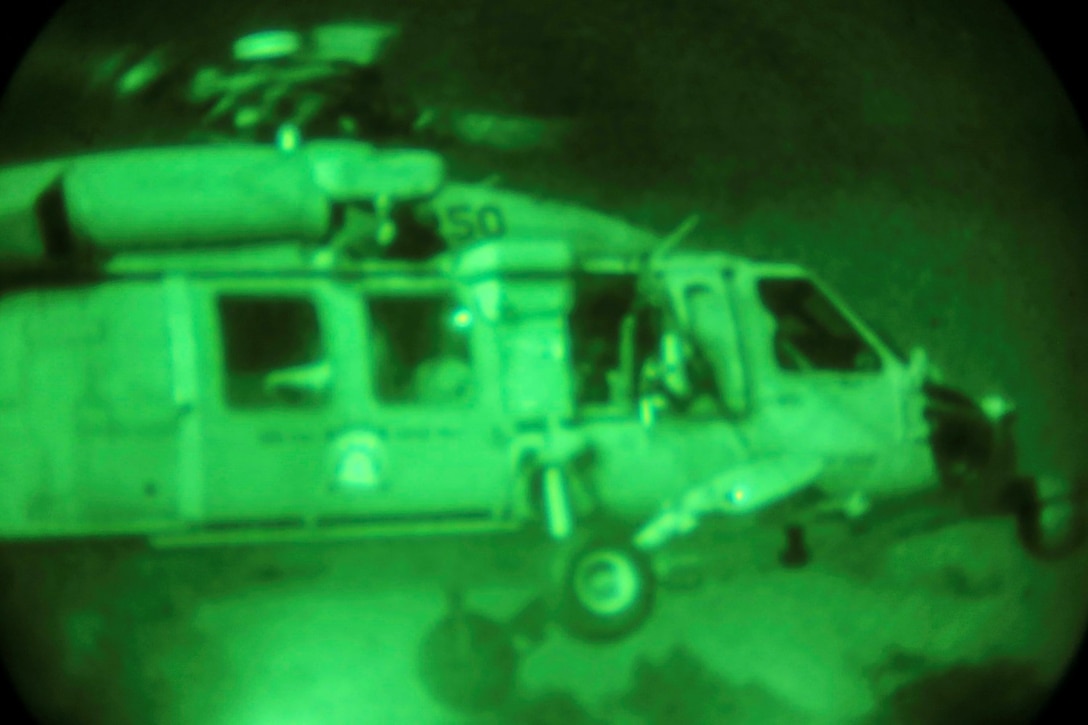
(607, 583)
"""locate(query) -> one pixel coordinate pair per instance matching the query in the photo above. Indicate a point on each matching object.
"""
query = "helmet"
(267, 45)
(357, 43)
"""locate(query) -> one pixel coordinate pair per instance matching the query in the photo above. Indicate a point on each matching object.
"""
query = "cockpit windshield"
(811, 333)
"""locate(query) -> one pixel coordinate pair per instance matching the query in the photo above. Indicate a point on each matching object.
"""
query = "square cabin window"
(268, 336)
(602, 305)
(420, 351)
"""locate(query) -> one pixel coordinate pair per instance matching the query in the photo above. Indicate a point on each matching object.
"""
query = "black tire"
(1051, 528)
(607, 590)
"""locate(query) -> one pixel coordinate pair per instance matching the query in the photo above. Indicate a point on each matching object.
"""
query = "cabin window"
(603, 305)
(273, 352)
(810, 331)
(420, 352)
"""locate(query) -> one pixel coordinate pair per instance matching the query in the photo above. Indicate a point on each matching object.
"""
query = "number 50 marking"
(465, 226)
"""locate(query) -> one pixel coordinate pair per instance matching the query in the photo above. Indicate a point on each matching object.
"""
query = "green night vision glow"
(487, 363)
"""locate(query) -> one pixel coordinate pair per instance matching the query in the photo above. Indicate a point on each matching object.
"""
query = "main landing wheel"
(607, 589)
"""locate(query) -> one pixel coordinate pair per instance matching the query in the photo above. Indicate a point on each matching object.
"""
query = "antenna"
(678, 235)
(668, 244)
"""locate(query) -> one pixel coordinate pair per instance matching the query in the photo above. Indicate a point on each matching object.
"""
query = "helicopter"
(299, 327)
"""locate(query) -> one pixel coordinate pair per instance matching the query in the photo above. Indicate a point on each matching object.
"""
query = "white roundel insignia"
(359, 462)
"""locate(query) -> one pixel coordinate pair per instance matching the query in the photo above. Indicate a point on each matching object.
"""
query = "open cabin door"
(642, 396)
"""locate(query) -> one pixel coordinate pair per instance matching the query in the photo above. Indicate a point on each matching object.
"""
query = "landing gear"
(796, 554)
(607, 588)
(606, 585)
